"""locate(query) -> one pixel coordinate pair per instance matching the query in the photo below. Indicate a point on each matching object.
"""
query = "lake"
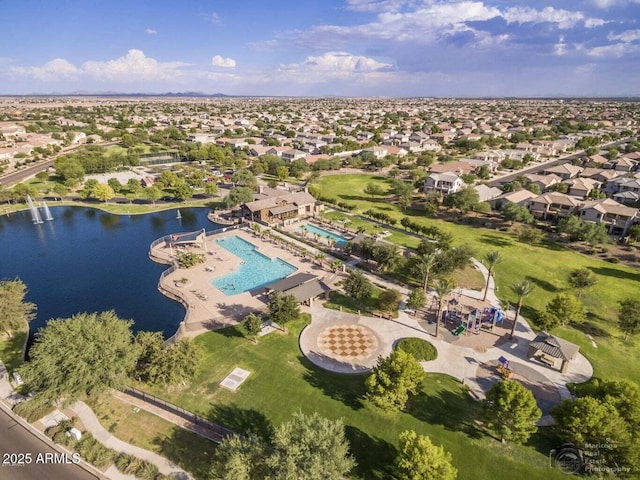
(87, 260)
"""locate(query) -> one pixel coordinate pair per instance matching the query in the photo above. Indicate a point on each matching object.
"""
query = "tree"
(69, 169)
(283, 308)
(423, 265)
(581, 278)
(393, 380)
(237, 196)
(15, 312)
(387, 256)
(357, 286)
(239, 458)
(211, 188)
(522, 289)
(510, 411)
(310, 447)
(634, 232)
(253, 326)
(564, 308)
(115, 184)
(182, 190)
(152, 193)
(491, 259)
(528, 234)
(149, 345)
(629, 316)
(389, 300)
(373, 189)
(591, 421)
(245, 178)
(420, 459)
(134, 186)
(512, 212)
(465, 200)
(417, 299)
(102, 192)
(82, 355)
(282, 173)
(177, 363)
(442, 287)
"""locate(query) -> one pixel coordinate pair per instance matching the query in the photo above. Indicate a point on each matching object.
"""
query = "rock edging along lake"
(87, 260)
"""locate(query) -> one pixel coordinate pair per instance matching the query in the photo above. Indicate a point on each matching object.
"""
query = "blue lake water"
(86, 260)
(256, 269)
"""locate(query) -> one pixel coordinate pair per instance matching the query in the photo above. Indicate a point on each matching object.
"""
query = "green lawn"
(282, 382)
(146, 430)
(546, 266)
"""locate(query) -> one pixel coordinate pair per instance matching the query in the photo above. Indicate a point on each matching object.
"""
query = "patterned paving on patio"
(347, 342)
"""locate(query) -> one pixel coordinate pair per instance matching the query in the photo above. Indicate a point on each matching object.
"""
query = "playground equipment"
(491, 317)
(474, 320)
(504, 369)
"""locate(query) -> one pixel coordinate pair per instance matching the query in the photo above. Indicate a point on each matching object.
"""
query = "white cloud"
(626, 36)
(212, 17)
(563, 18)
(612, 3)
(133, 66)
(375, 5)
(334, 66)
(560, 48)
(150, 31)
(54, 69)
(218, 61)
(615, 50)
(594, 22)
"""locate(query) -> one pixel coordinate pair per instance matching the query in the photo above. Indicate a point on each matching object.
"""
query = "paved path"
(93, 425)
(462, 363)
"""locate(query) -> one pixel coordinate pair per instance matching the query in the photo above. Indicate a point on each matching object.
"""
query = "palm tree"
(425, 262)
(319, 257)
(522, 289)
(491, 259)
(442, 287)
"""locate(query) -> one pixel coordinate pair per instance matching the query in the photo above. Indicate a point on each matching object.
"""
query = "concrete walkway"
(462, 363)
(93, 425)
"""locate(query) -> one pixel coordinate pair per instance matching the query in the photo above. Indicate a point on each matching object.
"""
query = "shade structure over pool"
(188, 238)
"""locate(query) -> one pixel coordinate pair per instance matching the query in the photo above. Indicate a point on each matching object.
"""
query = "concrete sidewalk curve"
(93, 425)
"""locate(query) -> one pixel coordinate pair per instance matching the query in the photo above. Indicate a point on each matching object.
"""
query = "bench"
(547, 360)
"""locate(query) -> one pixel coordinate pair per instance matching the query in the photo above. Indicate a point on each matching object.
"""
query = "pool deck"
(209, 308)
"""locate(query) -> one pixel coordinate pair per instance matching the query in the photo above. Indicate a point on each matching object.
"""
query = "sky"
(393, 48)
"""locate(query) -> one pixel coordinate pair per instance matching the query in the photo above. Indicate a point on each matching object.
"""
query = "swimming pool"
(256, 269)
(312, 229)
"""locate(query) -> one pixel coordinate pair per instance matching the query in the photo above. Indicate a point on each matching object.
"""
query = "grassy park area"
(283, 381)
(545, 265)
(146, 430)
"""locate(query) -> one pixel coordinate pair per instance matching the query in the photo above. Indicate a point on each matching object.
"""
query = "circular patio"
(341, 344)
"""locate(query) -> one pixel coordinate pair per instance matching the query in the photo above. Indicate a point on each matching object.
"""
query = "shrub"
(613, 260)
(418, 348)
(33, 409)
(147, 471)
(122, 461)
(94, 452)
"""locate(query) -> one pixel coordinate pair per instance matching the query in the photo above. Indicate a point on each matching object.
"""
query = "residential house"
(378, 152)
(617, 217)
(553, 204)
(581, 187)
(543, 181)
(293, 154)
(564, 171)
(626, 198)
(520, 197)
(486, 193)
(458, 167)
(444, 183)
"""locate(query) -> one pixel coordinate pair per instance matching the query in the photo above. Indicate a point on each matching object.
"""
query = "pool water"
(312, 229)
(255, 271)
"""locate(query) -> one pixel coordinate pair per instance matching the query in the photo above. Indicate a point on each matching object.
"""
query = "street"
(19, 445)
